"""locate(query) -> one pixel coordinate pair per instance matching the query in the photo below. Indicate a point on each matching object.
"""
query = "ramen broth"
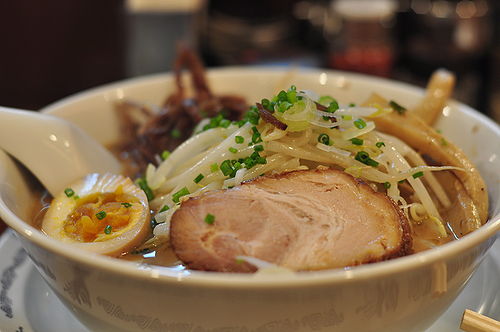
(165, 256)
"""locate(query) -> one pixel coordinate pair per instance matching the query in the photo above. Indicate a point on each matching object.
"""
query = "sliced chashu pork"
(302, 220)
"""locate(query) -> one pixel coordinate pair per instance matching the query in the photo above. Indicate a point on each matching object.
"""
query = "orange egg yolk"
(100, 214)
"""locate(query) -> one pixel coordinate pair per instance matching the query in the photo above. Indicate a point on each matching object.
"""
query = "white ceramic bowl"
(405, 294)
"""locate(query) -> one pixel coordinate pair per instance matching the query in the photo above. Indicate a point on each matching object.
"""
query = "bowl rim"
(236, 280)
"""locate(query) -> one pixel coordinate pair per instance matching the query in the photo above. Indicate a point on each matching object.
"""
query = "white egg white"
(115, 244)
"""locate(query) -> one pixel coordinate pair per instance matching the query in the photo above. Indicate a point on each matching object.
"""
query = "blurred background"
(51, 49)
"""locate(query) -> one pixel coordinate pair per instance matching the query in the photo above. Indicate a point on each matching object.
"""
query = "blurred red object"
(363, 41)
(370, 60)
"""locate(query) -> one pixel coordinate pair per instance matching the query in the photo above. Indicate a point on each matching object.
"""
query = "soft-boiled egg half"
(103, 213)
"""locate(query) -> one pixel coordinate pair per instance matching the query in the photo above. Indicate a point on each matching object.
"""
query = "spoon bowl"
(56, 151)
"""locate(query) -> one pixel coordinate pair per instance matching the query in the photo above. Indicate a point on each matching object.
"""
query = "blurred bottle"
(363, 40)
(455, 34)
(247, 32)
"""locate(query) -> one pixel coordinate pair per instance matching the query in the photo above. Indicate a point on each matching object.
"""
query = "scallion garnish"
(69, 192)
(356, 141)
(226, 167)
(268, 105)
(164, 208)
(379, 144)
(258, 148)
(143, 184)
(252, 116)
(398, 108)
(324, 139)
(256, 136)
(233, 150)
(183, 192)
(101, 215)
(175, 133)
(107, 229)
(209, 218)
(334, 105)
(214, 167)
(126, 204)
(360, 123)
(239, 139)
(198, 178)
(224, 123)
(387, 185)
(165, 154)
(418, 174)
(364, 157)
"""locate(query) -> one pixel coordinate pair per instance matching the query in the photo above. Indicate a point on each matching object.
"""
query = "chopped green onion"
(69, 192)
(282, 96)
(364, 157)
(183, 192)
(224, 123)
(165, 154)
(284, 106)
(239, 139)
(164, 208)
(237, 165)
(256, 135)
(126, 204)
(76, 197)
(387, 185)
(444, 142)
(209, 218)
(325, 100)
(346, 117)
(143, 184)
(324, 139)
(107, 229)
(198, 178)
(214, 167)
(258, 148)
(418, 174)
(352, 105)
(252, 116)
(291, 95)
(226, 167)
(268, 105)
(360, 123)
(261, 160)
(175, 133)
(101, 215)
(332, 107)
(379, 144)
(233, 150)
(398, 108)
(356, 141)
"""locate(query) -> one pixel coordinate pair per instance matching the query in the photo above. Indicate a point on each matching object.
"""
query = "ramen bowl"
(404, 294)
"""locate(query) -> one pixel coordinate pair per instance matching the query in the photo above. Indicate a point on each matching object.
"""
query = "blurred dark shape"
(247, 32)
(455, 34)
(363, 40)
(51, 49)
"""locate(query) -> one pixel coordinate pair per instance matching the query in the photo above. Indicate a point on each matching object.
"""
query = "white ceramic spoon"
(56, 151)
